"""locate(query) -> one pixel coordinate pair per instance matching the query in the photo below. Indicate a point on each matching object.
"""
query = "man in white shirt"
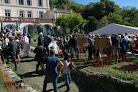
(6, 41)
(26, 45)
(126, 35)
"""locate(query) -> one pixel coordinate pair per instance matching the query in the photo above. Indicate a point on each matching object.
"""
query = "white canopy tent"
(115, 29)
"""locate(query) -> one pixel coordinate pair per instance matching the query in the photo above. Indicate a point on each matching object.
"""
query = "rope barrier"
(125, 62)
(10, 84)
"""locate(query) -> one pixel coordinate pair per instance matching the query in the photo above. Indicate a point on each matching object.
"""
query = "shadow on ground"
(30, 74)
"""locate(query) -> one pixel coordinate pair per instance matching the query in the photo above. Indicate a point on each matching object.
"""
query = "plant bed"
(106, 81)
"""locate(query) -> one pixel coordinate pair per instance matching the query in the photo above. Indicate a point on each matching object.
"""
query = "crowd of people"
(45, 55)
(15, 42)
(117, 45)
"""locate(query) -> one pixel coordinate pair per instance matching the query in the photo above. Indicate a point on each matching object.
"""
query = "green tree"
(114, 18)
(63, 1)
(78, 8)
(125, 21)
(83, 24)
(62, 21)
(61, 4)
(100, 9)
(131, 14)
(110, 6)
(75, 20)
(103, 22)
(58, 3)
(73, 1)
(93, 22)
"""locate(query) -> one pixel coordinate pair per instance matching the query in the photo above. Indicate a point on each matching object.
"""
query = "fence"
(125, 62)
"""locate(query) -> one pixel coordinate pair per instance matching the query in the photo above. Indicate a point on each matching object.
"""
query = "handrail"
(26, 20)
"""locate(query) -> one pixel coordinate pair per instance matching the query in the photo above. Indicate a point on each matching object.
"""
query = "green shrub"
(32, 35)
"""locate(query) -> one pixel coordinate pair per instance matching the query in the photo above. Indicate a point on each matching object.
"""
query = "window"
(21, 14)
(29, 14)
(40, 2)
(40, 14)
(21, 2)
(28, 2)
(7, 1)
(7, 13)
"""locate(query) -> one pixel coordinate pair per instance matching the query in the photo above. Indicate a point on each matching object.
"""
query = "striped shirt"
(66, 68)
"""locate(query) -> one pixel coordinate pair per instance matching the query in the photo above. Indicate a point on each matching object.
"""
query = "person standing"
(40, 39)
(62, 44)
(109, 48)
(90, 46)
(6, 41)
(29, 37)
(66, 70)
(115, 45)
(18, 50)
(126, 35)
(124, 43)
(41, 53)
(51, 70)
(46, 40)
(11, 50)
(26, 45)
(73, 44)
(65, 42)
(119, 47)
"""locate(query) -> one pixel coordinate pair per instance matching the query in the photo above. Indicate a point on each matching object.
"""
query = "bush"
(32, 35)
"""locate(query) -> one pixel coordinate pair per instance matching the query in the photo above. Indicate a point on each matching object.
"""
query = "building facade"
(54, 13)
(25, 14)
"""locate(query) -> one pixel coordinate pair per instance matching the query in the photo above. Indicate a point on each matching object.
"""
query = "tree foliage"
(105, 12)
(131, 14)
(103, 22)
(114, 18)
(62, 21)
(93, 22)
(73, 21)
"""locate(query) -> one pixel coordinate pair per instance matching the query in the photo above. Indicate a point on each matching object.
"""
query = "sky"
(121, 3)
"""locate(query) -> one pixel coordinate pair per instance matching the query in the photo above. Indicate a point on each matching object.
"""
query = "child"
(66, 70)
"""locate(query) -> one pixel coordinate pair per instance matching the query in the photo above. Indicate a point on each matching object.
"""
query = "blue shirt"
(90, 41)
(51, 65)
(114, 41)
(124, 43)
(46, 42)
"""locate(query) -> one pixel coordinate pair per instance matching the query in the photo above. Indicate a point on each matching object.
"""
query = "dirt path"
(26, 70)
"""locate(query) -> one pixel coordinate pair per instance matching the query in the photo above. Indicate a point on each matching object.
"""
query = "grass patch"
(3, 87)
(27, 67)
(114, 69)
